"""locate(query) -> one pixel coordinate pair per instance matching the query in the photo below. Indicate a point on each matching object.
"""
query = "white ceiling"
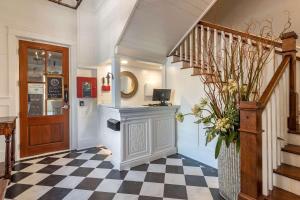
(91, 5)
(156, 26)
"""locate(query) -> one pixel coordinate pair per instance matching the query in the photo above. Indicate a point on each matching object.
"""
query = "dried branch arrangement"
(231, 75)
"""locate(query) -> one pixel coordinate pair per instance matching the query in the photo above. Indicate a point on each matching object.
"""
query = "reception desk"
(146, 133)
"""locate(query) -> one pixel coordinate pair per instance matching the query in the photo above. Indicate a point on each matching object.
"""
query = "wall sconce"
(106, 82)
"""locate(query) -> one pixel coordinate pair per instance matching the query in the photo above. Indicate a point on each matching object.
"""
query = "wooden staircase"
(270, 168)
(287, 175)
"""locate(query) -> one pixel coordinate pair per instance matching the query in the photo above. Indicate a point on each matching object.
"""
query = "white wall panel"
(28, 19)
(187, 91)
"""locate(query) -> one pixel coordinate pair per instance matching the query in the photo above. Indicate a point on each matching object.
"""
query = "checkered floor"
(89, 174)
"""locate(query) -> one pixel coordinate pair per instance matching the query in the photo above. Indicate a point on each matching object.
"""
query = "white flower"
(180, 117)
(223, 124)
(196, 110)
(232, 86)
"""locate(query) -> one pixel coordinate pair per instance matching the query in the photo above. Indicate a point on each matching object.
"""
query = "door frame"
(14, 36)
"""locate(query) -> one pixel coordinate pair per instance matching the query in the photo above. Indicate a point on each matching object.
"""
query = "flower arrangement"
(234, 75)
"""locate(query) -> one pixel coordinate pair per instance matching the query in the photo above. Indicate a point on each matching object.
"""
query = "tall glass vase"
(229, 172)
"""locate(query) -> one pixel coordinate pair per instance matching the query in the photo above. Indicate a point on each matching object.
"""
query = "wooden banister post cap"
(249, 105)
(288, 35)
(289, 42)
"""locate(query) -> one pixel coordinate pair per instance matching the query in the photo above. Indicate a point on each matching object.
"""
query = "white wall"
(104, 97)
(87, 116)
(41, 20)
(187, 91)
(87, 34)
(143, 75)
(111, 19)
(236, 13)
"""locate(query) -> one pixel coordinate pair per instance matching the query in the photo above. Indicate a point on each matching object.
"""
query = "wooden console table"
(7, 128)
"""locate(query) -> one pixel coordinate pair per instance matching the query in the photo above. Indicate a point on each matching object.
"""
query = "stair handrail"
(251, 121)
(266, 95)
(241, 34)
(228, 30)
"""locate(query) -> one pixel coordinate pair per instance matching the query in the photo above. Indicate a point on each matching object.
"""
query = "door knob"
(65, 107)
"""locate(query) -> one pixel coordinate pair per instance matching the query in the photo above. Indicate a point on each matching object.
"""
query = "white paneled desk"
(146, 133)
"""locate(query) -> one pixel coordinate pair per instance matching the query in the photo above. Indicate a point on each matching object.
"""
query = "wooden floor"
(279, 194)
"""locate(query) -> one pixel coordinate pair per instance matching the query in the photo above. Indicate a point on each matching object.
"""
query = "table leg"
(13, 148)
(7, 174)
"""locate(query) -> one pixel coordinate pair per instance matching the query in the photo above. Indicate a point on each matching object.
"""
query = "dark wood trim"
(7, 129)
(250, 150)
(266, 95)
(67, 5)
(251, 125)
(289, 48)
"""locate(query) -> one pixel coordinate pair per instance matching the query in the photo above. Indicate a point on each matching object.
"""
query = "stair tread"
(280, 194)
(290, 148)
(288, 171)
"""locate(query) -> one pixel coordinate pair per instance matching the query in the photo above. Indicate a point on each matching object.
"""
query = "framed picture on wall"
(86, 87)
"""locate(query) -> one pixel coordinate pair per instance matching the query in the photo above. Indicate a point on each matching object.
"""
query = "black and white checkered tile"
(89, 174)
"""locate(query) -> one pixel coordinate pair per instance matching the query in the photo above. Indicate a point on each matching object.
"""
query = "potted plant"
(234, 75)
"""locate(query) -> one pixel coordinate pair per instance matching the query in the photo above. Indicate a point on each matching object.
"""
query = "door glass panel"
(36, 65)
(36, 99)
(54, 107)
(54, 64)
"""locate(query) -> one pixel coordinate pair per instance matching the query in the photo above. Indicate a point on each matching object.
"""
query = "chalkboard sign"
(55, 87)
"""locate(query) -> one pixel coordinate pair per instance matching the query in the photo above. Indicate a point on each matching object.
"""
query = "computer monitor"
(161, 95)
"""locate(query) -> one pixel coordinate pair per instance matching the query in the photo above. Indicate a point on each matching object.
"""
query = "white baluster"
(264, 154)
(230, 43)
(202, 46)
(208, 49)
(269, 146)
(222, 52)
(191, 50)
(186, 58)
(215, 44)
(181, 52)
(274, 131)
(197, 45)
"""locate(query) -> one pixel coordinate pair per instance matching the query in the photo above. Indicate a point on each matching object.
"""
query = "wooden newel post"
(251, 150)
(289, 48)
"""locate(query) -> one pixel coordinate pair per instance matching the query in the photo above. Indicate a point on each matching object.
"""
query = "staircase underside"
(156, 26)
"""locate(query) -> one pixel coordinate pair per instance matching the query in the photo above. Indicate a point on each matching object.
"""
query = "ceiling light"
(124, 62)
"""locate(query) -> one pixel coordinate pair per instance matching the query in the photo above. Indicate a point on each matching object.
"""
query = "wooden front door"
(44, 109)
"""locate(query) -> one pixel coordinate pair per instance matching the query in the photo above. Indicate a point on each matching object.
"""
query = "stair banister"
(251, 122)
(273, 114)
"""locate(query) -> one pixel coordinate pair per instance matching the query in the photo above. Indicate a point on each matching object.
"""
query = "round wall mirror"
(129, 84)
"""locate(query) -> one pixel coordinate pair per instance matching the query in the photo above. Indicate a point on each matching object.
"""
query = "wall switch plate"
(81, 103)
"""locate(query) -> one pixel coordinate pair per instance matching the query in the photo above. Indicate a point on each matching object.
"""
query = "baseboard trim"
(145, 159)
(44, 155)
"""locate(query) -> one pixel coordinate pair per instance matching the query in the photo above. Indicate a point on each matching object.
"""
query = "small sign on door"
(55, 87)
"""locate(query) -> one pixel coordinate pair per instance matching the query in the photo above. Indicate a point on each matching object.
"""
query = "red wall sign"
(86, 87)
